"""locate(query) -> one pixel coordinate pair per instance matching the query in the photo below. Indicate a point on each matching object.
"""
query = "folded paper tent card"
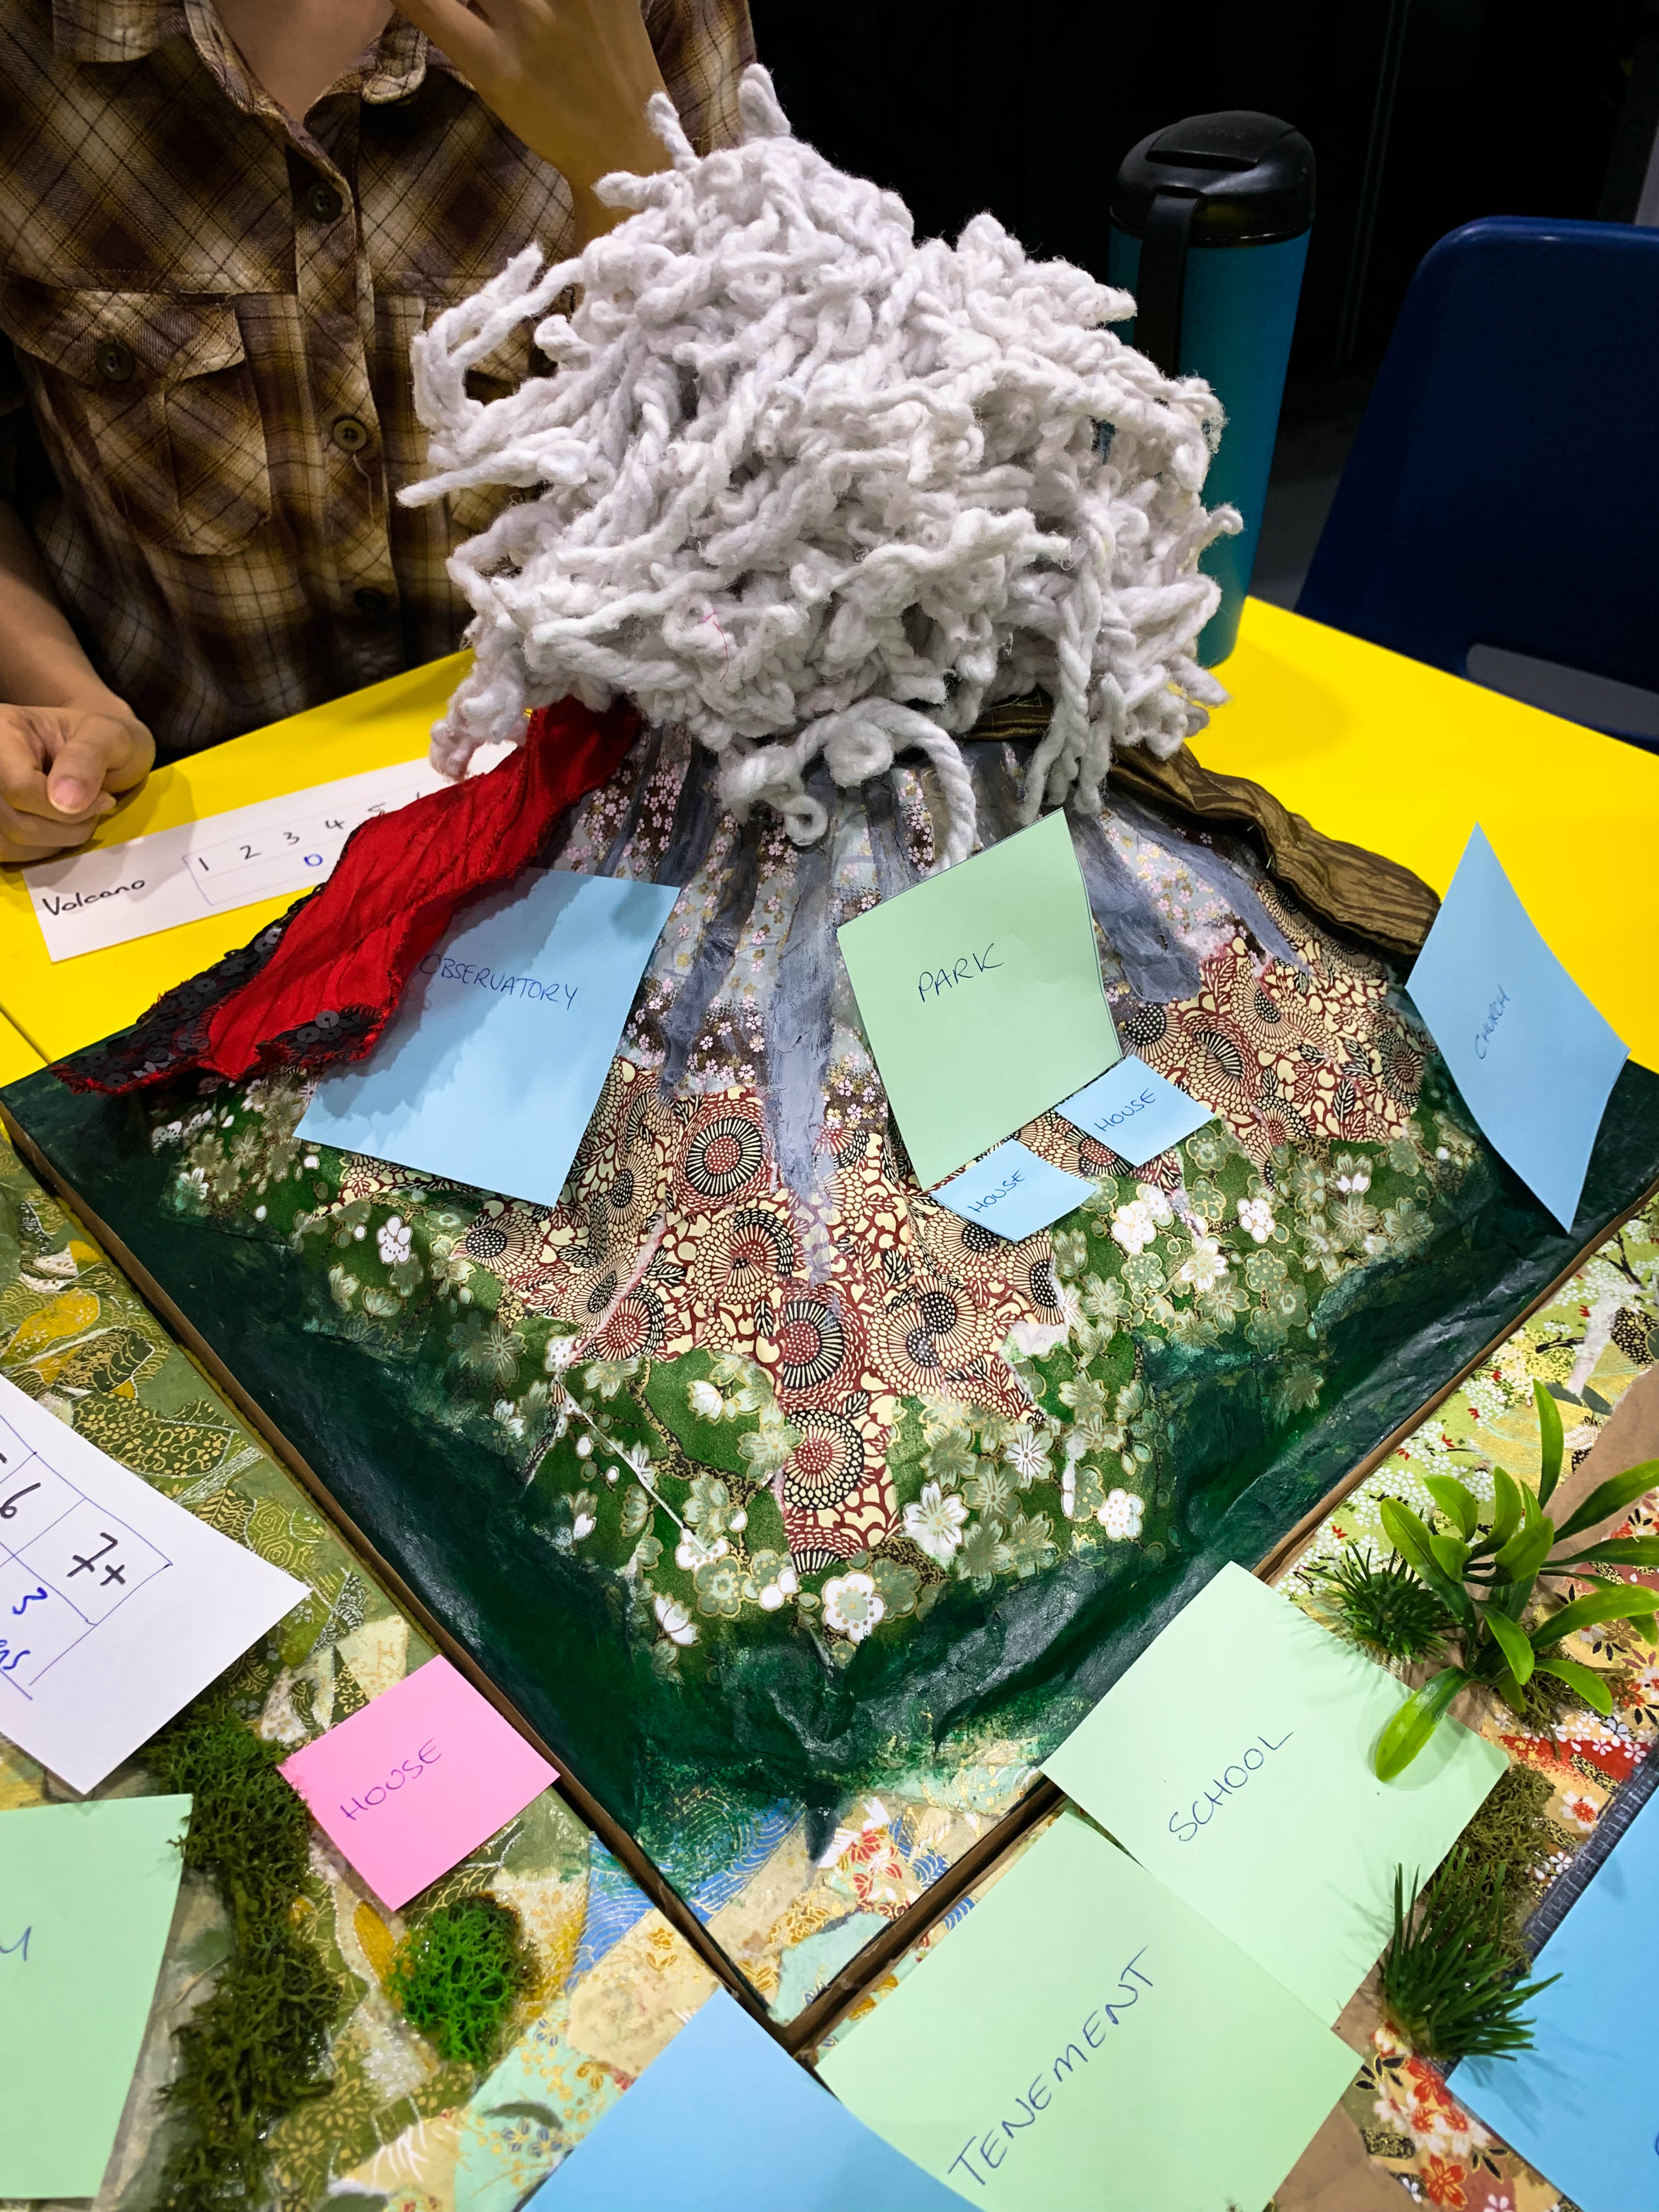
(1134, 1111)
(1535, 1061)
(1261, 1810)
(87, 1893)
(1014, 1192)
(1046, 2054)
(724, 2120)
(490, 1071)
(115, 1606)
(416, 1779)
(980, 995)
(1579, 2106)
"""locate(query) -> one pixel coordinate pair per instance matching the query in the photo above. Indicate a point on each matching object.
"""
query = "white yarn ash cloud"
(812, 490)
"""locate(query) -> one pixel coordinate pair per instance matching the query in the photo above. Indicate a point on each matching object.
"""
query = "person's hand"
(59, 767)
(570, 78)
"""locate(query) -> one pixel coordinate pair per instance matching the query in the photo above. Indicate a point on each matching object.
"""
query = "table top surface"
(1372, 748)
(18, 1057)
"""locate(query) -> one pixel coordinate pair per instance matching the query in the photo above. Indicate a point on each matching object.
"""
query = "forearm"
(41, 660)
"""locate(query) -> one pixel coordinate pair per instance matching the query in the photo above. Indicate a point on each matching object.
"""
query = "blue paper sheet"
(1580, 2105)
(725, 2121)
(1013, 1191)
(490, 1068)
(1136, 1111)
(1532, 1058)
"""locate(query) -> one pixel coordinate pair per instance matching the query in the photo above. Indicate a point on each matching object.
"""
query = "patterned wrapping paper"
(616, 1981)
(800, 1515)
(72, 1330)
(1593, 1338)
(425, 2136)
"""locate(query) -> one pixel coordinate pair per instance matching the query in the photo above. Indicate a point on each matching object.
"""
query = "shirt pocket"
(150, 402)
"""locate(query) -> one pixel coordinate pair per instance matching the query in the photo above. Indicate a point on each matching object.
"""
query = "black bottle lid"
(1251, 176)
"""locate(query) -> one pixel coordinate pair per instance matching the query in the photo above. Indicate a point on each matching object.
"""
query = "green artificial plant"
(1448, 1980)
(1486, 1574)
(1384, 1606)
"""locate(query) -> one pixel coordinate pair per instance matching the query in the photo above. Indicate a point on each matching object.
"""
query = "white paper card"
(115, 1606)
(89, 901)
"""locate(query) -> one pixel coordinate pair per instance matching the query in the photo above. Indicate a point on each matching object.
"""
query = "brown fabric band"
(1366, 897)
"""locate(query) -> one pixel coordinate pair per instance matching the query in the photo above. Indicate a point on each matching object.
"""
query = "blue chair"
(1504, 488)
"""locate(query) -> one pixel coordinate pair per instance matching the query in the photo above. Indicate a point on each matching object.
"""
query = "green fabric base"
(1030, 1657)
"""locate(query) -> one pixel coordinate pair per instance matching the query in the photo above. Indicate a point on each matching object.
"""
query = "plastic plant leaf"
(1612, 1602)
(1506, 1496)
(1406, 1532)
(1549, 1434)
(1510, 1599)
(1412, 1541)
(1451, 1555)
(1589, 1685)
(1416, 1721)
(1512, 1642)
(1526, 1552)
(1611, 1497)
(1458, 1503)
(1618, 1551)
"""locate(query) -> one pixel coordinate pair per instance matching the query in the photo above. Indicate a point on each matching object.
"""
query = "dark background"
(1423, 114)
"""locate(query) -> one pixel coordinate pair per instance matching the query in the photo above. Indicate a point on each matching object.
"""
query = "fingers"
(94, 754)
(457, 31)
(27, 835)
(57, 766)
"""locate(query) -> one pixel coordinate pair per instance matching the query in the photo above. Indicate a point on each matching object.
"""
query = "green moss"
(1503, 1847)
(459, 1975)
(258, 2046)
(1545, 1700)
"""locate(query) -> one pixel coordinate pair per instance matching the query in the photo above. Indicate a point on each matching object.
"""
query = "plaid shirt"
(205, 402)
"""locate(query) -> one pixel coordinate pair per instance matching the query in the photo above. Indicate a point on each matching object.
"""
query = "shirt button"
(371, 603)
(113, 361)
(324, 202)
(349, 435)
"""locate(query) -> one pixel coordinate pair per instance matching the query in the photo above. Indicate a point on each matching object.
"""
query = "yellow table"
(1369, 746)
(18, 1057)
(60, 1005)
(1389, 754)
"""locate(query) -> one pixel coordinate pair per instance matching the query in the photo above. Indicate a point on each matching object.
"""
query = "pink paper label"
(411, 1784)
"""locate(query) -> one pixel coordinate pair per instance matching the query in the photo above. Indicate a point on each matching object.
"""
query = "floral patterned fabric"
(655, 1370)
(802, 1516)
(616, 1980)
(841, 1381)
(1596, 1336)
